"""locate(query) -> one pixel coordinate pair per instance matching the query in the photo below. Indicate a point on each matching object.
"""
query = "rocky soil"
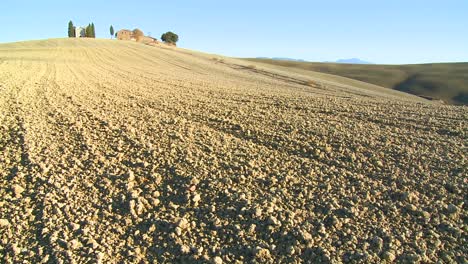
(116, 152)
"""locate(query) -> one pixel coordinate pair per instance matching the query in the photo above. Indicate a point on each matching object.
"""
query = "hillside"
(441, 81)
(118, 152)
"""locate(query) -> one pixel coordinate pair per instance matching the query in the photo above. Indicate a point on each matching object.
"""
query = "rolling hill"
(440, 81)
(118, 152)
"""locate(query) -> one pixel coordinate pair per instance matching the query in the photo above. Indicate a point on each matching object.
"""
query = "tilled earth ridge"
(115, 152)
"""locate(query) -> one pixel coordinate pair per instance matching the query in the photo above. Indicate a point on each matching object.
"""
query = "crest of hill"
(186, 62)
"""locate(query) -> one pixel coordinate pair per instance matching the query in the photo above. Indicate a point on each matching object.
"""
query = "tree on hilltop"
(88, 32)
(71, 30)
(137, 33)
(93, 31)
(170, 37)
(111, 31)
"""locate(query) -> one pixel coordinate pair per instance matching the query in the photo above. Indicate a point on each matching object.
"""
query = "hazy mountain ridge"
(352, 61)
(347, 61)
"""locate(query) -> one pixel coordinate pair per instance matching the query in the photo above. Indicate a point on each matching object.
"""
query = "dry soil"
(117, 152)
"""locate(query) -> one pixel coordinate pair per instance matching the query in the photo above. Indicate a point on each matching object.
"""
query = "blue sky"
(380, 31)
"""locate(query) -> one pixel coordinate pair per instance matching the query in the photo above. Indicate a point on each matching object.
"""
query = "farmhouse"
(125, 34)
(80, 32)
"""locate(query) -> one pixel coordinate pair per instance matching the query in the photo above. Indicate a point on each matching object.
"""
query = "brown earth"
(118, 152)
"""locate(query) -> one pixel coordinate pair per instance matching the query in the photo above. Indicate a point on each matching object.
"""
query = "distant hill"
(442, 81)
(353, 61)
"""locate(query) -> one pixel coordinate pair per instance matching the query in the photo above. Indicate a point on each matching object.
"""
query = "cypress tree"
(93, 32)
(111, 30)
(88, 31)
(71, 30)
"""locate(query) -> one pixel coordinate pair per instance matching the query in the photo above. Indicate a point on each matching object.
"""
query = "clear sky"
(380, 31)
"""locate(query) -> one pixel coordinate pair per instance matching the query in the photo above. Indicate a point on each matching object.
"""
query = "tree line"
(90, 31)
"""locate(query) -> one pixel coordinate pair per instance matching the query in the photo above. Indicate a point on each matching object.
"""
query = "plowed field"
(117, 152)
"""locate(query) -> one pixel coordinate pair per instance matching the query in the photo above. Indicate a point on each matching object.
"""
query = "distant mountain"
(287, 59)
(353, 61)
(282, 59)
(348, 61)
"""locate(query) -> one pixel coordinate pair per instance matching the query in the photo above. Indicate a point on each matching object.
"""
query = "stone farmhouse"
(125, 34)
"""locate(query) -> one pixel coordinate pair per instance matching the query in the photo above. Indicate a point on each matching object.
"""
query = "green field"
(438, 81)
